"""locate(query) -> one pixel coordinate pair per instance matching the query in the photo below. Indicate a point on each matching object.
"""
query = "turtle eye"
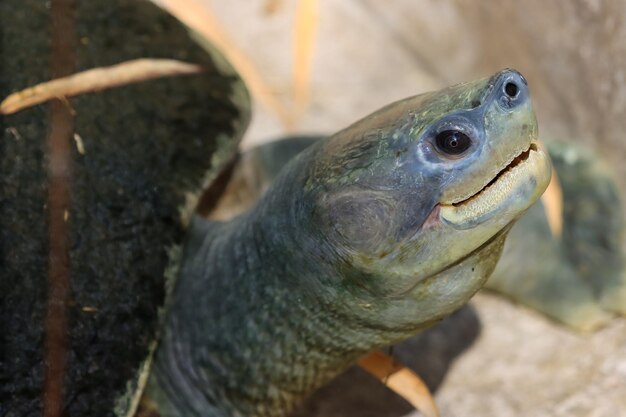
(452, 142)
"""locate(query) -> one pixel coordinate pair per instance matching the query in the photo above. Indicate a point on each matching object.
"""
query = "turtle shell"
(137, 159)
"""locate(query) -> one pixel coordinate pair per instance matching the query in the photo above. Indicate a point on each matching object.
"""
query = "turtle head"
(416, 198)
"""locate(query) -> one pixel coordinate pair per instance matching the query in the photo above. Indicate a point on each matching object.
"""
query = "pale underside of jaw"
(497, 191)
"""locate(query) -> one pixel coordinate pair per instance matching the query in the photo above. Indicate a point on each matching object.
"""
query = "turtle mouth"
(512, 190)
(507, 170)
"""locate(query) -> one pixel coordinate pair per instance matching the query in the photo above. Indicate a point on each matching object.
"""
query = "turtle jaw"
(515, 188)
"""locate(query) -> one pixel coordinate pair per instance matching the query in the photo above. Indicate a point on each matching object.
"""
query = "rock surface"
(526, 366)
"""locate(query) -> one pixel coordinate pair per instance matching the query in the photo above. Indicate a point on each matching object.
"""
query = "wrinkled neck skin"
(265, 310)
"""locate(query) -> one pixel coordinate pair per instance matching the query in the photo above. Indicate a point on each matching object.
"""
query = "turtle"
(363, 239)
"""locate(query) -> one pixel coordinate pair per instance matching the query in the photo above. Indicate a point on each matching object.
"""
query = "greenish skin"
(352, 248)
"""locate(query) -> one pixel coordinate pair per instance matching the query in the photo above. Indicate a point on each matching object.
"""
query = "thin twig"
(401, 380)
(97, 79)
(304, 37)
(59, 170)
(552, 200)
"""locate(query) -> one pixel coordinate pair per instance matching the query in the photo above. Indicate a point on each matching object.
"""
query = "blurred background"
(317, 66)
(325, 63)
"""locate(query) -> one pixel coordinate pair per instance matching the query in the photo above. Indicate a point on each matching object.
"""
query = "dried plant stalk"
(97, 79)
(305, 28)
(552, 200)
(402, 381)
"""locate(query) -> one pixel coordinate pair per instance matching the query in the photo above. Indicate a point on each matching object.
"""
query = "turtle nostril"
(511, 89)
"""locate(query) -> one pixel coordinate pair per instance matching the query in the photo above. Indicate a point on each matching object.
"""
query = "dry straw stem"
(304, 37)
(97, 79)
(552, 200)
(402, 381)
(198, 17)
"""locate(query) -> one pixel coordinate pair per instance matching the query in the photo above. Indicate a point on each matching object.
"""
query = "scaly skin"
(356, 245)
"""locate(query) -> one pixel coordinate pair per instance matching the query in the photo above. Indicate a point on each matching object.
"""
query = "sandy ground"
(523, 365)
